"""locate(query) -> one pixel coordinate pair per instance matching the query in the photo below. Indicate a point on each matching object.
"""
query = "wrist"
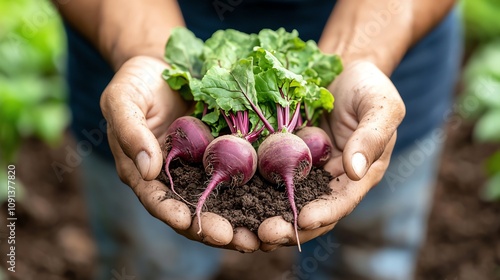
(376, 31)
(118, 50)
(140, 28)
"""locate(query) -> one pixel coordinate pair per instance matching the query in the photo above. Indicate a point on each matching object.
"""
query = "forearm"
(121, 30)
(380, 31)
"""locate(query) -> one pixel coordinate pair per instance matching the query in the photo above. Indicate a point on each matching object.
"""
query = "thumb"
(125, 103)
(362, 150)
(371, 138)
(128, 126)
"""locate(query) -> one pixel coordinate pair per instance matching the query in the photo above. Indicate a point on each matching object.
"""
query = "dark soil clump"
(250, 204)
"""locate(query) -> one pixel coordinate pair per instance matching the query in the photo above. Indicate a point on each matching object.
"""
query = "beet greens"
(254, 89)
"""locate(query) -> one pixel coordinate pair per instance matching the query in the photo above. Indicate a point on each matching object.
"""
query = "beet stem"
(293, 123)
(286, 116)
(279, 113)
(230, 124)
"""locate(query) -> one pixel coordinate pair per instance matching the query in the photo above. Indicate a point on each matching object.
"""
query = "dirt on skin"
(54, 240)
(250, 204)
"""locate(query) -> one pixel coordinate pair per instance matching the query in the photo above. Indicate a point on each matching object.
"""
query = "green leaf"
(225, 47)
(266, 85)
(317, 101)
(486, 89)
(314, 65)
(493, 164)
(280, 40)
(491, 191)
(184, 50)
(212, 117)
(291, 86)
(481, 82)
(10, 141)
(319, 98)
(31, 52)
(484, 62)
(179, 80)
(254, 73)
(327, 67)
(301, 57)
(215, 122)
(480, 18)
(29, 45)
(52, 119)
(471, 101)
(201, 96)
(243, 75)
(232, 89)
(487, 128)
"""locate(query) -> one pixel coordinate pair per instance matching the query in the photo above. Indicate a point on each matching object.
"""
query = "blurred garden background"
(53, 240)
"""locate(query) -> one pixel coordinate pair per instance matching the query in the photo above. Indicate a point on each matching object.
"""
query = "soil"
(54, 240)
(463, 237)
(250, 204)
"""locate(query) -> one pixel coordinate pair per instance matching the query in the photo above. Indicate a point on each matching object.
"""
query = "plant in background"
(480, 101)
(32, 93)
(481, 20)
(491, 190)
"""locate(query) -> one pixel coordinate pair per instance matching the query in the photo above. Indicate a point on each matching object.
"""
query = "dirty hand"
(139, 106)
(368, 109)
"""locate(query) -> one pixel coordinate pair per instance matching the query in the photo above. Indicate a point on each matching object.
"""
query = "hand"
(368, 110)
(139, 106)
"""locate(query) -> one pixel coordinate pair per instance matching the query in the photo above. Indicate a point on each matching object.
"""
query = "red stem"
(293, 123)
(254, 135)
(308, 114)
(246, 122)
(287, 115)
(279, 113)
(300, 121)
(257, 110)
(205, 109)
(229, 122)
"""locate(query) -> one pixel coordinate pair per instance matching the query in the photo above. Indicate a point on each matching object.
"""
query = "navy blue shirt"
(425, 78)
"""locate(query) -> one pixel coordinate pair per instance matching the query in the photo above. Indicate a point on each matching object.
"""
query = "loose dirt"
(250, 204)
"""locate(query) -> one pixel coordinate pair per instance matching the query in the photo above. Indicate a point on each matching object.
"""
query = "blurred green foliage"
(32, 91)
(492, 189)
(481, 19)
(480, 99)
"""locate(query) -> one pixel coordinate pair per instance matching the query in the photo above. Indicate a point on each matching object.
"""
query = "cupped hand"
(139, 106)
(368, 110)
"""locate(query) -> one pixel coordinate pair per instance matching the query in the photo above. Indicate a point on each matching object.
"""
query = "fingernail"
(283, 240)
(212, 241)
(242, 250)
(143, 162)
(312, 226)
(273, 249)
(359, 164)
